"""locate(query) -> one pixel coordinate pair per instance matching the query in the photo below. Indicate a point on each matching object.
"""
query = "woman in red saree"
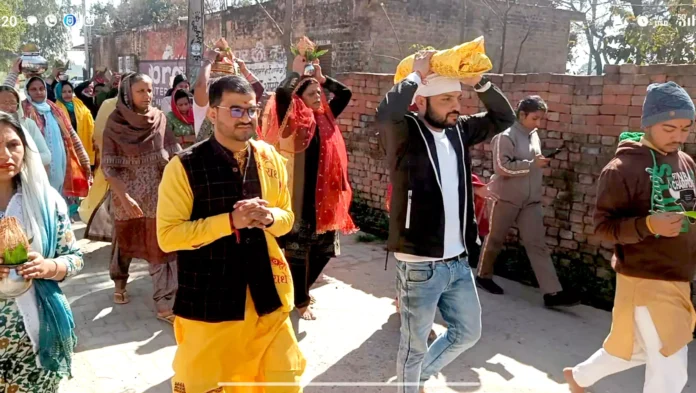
(301, 123)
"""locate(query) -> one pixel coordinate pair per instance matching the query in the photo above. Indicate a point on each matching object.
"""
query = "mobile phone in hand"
(552, 153)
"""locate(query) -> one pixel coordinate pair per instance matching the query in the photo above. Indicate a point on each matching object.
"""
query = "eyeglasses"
(9, 104)
(237, 112)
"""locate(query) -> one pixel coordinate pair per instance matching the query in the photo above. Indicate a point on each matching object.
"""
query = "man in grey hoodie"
(516, 187)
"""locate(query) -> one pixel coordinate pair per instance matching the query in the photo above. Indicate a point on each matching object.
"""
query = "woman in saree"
(80, 117)
(9, 103)
(302, 124)
(137, 145)
(81, 120)
(69, 172)
(37, 336)
(180, 118)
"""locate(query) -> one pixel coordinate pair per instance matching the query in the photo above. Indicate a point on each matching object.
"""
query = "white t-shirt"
(449, 172)
(199, 114)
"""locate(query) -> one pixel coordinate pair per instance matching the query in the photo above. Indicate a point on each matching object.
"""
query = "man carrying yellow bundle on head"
(463, 61)
(432, 230)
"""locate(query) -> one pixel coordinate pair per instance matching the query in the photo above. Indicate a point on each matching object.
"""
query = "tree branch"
(396, 36)
(519, 52)
(270, 17)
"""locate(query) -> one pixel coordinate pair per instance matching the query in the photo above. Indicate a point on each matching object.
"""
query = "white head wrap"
(436, 85)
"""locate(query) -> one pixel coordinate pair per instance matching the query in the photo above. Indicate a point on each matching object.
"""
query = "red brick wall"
(586, 113)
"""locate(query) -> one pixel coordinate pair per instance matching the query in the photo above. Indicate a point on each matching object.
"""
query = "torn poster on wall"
(162, 73)
(266, 62)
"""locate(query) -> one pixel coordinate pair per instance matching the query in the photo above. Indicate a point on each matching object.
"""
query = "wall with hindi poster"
(162, 73)
(586, 114)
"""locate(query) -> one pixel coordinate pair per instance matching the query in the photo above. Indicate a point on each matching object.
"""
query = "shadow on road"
(99, 322)
(164, 387)
(507, 342)
(375, 361)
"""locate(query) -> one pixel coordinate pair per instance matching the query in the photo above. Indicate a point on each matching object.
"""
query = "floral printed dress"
(19, 372)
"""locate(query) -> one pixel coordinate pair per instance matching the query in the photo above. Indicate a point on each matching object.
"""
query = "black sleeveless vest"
(213, 279)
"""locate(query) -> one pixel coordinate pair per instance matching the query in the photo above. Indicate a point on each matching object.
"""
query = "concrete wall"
(586, 113)
(358, 33)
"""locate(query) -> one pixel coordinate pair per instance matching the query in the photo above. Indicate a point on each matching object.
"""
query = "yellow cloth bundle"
(463, 61)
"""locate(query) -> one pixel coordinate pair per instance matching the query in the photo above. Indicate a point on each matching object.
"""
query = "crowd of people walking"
(236, 197)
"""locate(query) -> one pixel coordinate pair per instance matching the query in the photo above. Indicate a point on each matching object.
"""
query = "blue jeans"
(423, 288)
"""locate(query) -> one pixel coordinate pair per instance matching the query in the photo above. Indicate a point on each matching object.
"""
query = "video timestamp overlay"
(9, 21)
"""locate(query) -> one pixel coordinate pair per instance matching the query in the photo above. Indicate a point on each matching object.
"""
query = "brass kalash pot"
(32, 61)
(14, 248)
(33, 64)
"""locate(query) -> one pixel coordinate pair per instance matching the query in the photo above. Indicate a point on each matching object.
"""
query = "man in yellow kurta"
(642, 196)
(222, 204)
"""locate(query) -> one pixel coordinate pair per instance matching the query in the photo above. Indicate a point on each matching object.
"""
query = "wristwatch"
(481, 83)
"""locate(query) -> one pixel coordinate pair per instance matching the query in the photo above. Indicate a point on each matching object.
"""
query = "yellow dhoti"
(257, 349)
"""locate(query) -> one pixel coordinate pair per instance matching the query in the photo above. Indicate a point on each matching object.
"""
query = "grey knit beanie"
(666, 101)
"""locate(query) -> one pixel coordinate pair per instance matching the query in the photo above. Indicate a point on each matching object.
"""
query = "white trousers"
(662, 374)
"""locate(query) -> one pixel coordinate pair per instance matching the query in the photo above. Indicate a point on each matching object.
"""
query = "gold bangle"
(647, 223)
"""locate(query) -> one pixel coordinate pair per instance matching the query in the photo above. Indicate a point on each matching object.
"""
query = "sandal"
(121, 297)
(312, 300)
(169, 318)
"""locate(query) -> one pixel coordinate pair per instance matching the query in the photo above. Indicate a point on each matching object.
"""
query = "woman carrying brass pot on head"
(301, 122)
(37, 337)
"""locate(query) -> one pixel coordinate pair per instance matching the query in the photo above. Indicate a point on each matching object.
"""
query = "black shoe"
(561, 299)
(489, 285)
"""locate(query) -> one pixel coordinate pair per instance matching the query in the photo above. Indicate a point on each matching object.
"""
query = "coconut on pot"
(14, 248)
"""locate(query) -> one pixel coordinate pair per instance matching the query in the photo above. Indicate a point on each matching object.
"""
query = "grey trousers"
(164, 278)
(530, 222)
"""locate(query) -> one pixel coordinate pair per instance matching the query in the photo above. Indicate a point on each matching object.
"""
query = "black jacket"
(417, 218)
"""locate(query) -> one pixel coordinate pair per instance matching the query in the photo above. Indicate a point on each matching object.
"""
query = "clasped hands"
(252, 213)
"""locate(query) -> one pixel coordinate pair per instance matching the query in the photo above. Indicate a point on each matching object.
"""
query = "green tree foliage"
(598, 22)
(10, 37)
(130, 14)
(669, 37)
(103, 12)
(611, 33)
(53, 42)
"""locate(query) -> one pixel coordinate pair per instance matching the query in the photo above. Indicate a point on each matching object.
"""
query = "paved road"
(124, 349)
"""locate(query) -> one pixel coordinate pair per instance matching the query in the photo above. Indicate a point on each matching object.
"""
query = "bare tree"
(287, 32)
(527, 13)
(519, 50)
(598, 20)
(503, 12)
